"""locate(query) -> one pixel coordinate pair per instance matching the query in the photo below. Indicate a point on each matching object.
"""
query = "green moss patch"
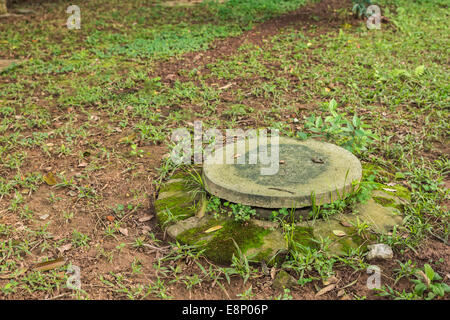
(220, 247)
(175, 208)
(385, 202)
(400, 191)
(304, 236)
(177, 185)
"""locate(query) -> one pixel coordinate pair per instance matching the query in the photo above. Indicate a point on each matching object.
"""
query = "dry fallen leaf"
(339, 233)
(110, 218)
(124, 231)
(226, 86)
(391, 184)
(330, 280)
(82, 164)
(212, 229)
(64, 248)
(145, 218)
(146, 229)
(49, 265)
(325, 290)
(273, 272)
(424, 276)
(345, 224)
(49, 179)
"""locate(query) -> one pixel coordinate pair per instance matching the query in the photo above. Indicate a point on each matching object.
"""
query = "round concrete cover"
(303, 171)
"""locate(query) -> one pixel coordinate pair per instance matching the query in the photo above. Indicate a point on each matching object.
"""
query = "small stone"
(146, 229)
(330, 280)
(72, 193)
(64, 248)
(82, 164)
(145, 218)
(380, 251)
(283, 280)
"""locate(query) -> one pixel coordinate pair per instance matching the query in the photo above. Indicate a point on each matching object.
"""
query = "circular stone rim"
(235, 193)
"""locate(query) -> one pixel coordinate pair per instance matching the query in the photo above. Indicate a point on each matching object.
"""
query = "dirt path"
(322, 15)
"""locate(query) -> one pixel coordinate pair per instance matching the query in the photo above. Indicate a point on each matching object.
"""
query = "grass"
(95, 107)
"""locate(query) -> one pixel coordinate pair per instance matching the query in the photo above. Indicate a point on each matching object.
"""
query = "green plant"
(288, 226)
(214, 204)
(360, 6)
(406, 269)
(286, 295)
(305, 259)
(194, 182)
(135, 152)
(352, 135)
(240, 265)
(428, 281)
(136, 266)
(79, 239)
(279, 215)
(238, 110)
(361, 226)
(247, 294)
(387, 291)
(191, 281)
(241, 213)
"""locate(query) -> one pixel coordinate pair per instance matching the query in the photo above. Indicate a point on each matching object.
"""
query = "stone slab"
(306, 170)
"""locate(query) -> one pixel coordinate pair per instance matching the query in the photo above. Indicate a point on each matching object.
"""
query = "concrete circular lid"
(287, 174)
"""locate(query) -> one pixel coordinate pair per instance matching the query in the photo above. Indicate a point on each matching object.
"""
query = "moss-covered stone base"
(262, 240)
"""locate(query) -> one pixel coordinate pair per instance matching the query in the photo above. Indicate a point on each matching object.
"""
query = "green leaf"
(319, 122)
(399, 175)
(429, 271)
(420, 288)
(431, 295)
(332, 105)
(420, 70)
(302, 135)
(446, 287)
(438, 289)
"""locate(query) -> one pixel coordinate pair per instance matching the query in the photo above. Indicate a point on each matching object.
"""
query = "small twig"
(155, 248)
(7, 15)
(57, 297)
(439, 238)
